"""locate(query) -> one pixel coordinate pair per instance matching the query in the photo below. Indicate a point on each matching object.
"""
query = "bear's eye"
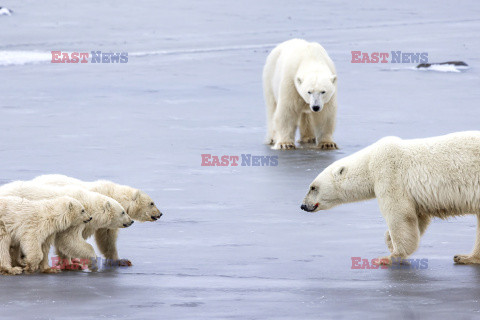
(83, 211)
(322, 92)
(151, 203)
(309, 92)
(313, 188)
(123, 212)
(341, 170)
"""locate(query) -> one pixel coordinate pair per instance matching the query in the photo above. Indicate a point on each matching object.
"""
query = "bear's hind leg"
(44, 266)
(271, 107)
(474, 256)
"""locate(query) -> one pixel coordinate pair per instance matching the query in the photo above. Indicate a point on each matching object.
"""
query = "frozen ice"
(233, 242)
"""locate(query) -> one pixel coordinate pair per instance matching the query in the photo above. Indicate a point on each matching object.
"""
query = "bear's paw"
(466, 259)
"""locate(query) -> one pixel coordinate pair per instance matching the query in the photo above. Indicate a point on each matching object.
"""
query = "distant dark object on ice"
(5, 11)
(453, 63)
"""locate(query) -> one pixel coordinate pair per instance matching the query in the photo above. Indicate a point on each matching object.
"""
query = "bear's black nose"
(315, 108)
(303, 207)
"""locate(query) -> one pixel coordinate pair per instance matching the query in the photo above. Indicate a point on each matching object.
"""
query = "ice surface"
(233, 243)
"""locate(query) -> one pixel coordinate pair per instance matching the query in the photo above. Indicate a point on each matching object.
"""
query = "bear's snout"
(315, 108)
(309, 208)
(126, 225)
(154, 218)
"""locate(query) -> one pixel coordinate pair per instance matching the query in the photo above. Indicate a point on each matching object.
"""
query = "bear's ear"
(299, 80)
(136, 195)
(70, 206)
(107, 206)
(333, 78)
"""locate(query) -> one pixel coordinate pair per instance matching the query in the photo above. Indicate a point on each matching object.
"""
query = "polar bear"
(413, 180)
(30, 224)
(300, 89)
(138, 204)
(70, 243)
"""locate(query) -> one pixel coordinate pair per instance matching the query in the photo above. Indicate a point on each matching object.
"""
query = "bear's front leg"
(106, 240)
(403, 225)
(5, 260)
(307, 135)
(33, 253)
(324, 126)
(474, 256)
(423, 222)
(286, 121)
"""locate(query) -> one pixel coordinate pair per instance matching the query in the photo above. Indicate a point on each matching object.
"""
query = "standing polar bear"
(300, 88)
(413, 180)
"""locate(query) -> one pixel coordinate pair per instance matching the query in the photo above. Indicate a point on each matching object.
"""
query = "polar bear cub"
(30, 224)
(413, 180)
(300, 89)
(137, 203)
(70, 243)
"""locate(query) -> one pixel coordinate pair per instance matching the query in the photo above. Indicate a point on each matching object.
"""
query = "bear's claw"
(327, 145)
(125, 263)
(284, 146)
(383, 261)
(11, 271)
(51, 270)
(466, 259)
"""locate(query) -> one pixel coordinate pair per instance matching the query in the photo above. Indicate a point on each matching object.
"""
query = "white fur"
(31, 224)
(138, 204)
(413, 180)
(299, 76)
(105, 211)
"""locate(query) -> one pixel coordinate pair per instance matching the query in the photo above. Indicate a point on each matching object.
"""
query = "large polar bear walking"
(300, 88)
(413, 180)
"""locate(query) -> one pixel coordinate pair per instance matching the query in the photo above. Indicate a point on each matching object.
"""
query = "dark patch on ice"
(453, 63)
(187, 304)
(233, 245)
(147, 305)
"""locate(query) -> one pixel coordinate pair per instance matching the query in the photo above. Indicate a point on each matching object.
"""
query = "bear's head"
(116, 214)
(74, 212)
(315, 90)
(346, 180)
(142, 207)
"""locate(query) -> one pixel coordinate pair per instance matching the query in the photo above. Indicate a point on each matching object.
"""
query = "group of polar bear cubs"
(64, 211)
(413, 180)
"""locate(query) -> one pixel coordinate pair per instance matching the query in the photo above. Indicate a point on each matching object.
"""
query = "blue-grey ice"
(233, 242)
